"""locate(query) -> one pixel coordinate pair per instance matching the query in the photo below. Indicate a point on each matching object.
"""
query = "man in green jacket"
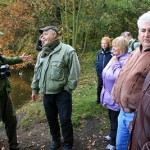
(133, 43)
(7, 111)
(56, 75)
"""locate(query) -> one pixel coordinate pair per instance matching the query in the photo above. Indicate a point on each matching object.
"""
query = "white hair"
(144, 18)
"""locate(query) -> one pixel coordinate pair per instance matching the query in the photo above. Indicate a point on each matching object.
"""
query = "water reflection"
(21, 87)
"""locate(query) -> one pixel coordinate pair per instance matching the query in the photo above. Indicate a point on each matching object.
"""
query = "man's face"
(144, 35)
(47, 37)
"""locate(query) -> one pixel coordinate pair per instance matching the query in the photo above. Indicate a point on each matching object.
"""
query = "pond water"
(21, 87)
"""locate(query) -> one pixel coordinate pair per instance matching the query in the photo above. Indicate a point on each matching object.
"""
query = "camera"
(4, 71)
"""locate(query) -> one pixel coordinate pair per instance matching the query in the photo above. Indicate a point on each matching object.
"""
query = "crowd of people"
(122, 93)
(123, 72)
(109, 75)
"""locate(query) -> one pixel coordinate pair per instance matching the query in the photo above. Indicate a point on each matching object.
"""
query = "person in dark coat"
(38, 45)
(103, 57)
(7, 111)
(140, 135)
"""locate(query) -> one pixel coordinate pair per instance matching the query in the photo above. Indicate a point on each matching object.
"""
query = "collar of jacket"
(130, 41)
(120, 55)
(106, 51)
(141, 49)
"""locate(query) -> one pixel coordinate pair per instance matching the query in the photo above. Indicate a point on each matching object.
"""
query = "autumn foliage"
(81, 22)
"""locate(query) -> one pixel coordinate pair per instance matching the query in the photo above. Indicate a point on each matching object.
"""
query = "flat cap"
(54, 28)
(1, 33)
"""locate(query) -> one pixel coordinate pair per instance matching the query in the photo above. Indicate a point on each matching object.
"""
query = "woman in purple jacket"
(109, 75)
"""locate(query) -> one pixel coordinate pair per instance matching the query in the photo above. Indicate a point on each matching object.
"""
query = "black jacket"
(103, 58)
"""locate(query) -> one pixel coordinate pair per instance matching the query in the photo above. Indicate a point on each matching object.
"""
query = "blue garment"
(102, 59)
(123, 131)
(109, 75)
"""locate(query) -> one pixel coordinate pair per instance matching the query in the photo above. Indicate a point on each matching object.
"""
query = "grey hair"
(144, 18)
(125, 33)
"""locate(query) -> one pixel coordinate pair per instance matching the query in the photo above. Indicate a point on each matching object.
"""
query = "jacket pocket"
(57, 71)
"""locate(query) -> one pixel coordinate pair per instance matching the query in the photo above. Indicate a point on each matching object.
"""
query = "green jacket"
(5, 82)
(56, 72)
(133, 44)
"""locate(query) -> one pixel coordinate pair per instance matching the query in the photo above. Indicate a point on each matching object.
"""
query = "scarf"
(47, 49)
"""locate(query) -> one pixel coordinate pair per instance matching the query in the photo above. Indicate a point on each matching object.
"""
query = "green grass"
(31, 112)
(84, 98)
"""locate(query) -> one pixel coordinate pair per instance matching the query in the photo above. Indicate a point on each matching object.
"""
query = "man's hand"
(27, 57)
(35, 97)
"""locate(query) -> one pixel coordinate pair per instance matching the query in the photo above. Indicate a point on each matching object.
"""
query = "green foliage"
(5, 2)
(82, 22)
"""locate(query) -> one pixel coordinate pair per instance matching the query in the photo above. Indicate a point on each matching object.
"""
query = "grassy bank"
(84, 98)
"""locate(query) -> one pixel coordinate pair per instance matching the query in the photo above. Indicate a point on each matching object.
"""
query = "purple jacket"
(109, 75)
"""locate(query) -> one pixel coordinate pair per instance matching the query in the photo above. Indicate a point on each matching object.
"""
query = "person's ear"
(54, 34)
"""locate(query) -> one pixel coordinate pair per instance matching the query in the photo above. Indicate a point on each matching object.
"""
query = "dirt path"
(88, 137)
